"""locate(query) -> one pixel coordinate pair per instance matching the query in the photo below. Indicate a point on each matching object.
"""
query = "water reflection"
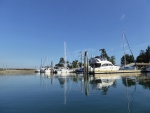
(144, 80)
(130, 82)
(101, 81)
(129, 92)
(132, 79)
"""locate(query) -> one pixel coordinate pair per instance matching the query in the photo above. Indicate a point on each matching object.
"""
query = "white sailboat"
(37, 70)
(47, 70)
(126, 67)
(64, 71)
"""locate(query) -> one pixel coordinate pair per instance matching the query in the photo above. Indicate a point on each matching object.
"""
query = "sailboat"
(64, 71)
(126, 67)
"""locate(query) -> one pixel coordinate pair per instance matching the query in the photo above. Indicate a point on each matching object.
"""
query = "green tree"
(147, 54)
(75, 64)
(104, 54)
(129, 59)
(112, 59)
(144, 56)
(61, 62)
(141, 57)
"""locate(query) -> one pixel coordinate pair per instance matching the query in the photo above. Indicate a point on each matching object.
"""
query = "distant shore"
(17, 71)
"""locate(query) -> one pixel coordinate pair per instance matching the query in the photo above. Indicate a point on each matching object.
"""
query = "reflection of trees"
(129, 81)
(75, 79)
(104, 90)
(145, 84)
(144, 81)
(114, 84)
(62, 81)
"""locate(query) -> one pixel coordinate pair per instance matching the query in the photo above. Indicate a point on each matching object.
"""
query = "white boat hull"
(47, 70)
(148, 69)
(108, 69)
(42, 70)
(37, 70)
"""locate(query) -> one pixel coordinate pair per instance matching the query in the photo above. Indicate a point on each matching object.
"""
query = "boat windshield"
(97, 64)
(107, 65)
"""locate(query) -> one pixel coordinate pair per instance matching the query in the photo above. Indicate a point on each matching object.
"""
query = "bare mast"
(124, 48)
(65, 56)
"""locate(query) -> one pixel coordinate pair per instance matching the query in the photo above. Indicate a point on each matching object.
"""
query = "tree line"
(143, 57)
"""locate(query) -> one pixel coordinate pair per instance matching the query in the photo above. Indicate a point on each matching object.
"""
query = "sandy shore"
(20, 71)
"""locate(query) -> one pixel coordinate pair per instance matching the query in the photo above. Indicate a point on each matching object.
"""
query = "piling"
(86, 78)
(86, 62)
(52, 67)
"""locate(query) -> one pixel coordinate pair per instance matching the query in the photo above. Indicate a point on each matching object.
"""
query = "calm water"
(115, 93)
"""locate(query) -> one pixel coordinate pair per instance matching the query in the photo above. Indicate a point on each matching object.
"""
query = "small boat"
(148, 69)
(47, 70)
(127, 67)
(64, 70)
(37, 70)
(80, 70)
(42, 70)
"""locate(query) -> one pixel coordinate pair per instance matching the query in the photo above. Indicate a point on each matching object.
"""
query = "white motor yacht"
(102, 65)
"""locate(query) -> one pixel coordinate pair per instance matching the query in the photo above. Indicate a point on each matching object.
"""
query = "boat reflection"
(103, 82)
(63, 80)
(130, 83)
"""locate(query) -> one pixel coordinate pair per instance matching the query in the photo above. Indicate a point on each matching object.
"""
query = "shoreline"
(17, 71)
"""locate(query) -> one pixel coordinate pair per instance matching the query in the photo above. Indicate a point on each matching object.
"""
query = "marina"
(72, 56)
(75, 93)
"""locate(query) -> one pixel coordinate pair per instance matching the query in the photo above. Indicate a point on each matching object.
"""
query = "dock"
(112, 72)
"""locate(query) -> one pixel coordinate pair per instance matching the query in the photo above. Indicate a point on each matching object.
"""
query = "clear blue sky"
(31, 30)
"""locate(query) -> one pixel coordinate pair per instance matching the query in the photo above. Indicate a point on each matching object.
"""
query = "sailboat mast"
(65, 56)
(81, 58)
(124, 49)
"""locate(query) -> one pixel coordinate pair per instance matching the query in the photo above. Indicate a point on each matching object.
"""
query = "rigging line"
(123, 35)
(128, 44)
(130, 49)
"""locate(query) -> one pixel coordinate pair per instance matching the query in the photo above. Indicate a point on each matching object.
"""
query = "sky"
(31, 30)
